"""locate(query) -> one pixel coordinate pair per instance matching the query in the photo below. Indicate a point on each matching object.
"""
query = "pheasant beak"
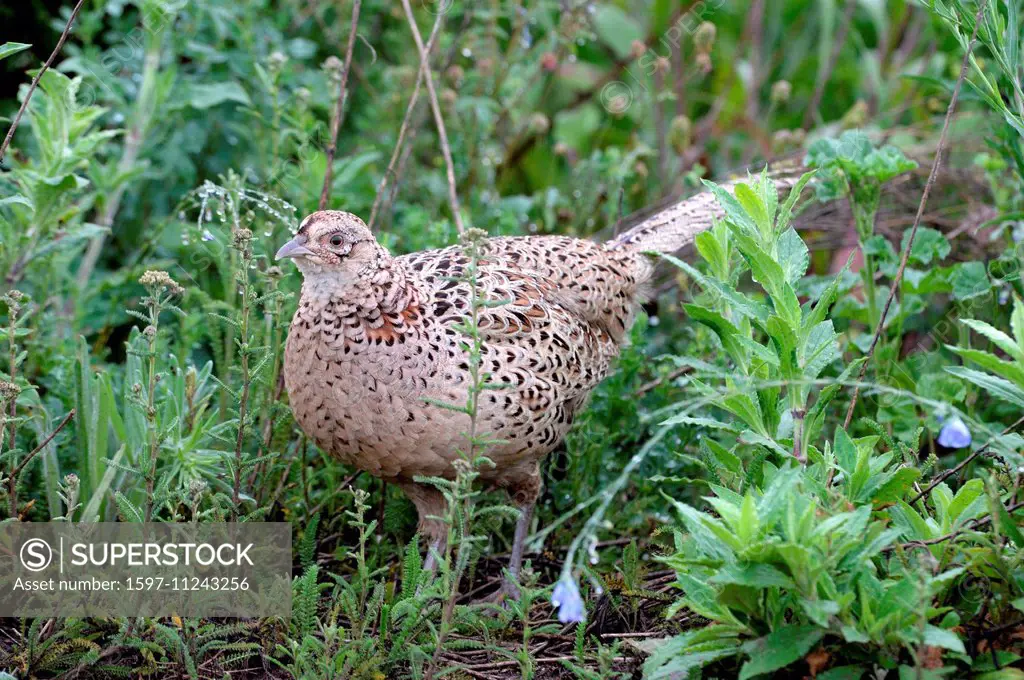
(294, 248)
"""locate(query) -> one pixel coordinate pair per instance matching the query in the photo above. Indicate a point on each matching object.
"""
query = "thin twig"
(396, 152)
(970, 525)
(920, 212)
(339, 107)
(35, 81)
(833, 59)
(952, 471)
(12, 482)
(654, 384)
(453, 195)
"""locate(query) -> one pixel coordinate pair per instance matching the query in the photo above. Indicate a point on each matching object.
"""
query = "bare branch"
(920, 211)
(952, 471)
(390, 172)
(339, 107)
(453, 195)
(12, 480)
(35, 81)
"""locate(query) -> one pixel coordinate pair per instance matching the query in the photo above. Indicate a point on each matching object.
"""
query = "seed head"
(539, 123)
(71, 481)
(241, 237)
(704, 38)
(679, 133)
(781, 89)
(8, 390)
(276, 61)
(156, 280)
(333, 67)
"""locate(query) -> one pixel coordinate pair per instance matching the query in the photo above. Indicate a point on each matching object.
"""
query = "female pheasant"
(376, 339)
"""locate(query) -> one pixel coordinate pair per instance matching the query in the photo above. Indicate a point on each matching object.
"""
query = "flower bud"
(679, 132)
(333, 67)
(781, 90)
(241, 237)
(8, 390)
(276, 61)
(704, 37)
(539, 123)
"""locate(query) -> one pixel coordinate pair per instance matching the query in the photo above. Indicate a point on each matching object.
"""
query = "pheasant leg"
(510, 586)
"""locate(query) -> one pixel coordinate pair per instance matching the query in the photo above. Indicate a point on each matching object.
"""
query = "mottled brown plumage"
(376, 337)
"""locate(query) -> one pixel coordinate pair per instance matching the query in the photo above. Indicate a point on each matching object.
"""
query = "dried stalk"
(920, 212)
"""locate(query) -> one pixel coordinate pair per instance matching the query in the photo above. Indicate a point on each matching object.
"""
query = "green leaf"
(749, 527)
(713, 252)
(751, 437)
(966, 495)
(728, 459)
(740, 303)
(846, 451)
(779, 649)
(913, 526)
(990, 383)
(616, 28)
(1007, 525)
(844, 672)
(897, 485)
(755, 208)
(746, 409)
(734, 212)
(1014, 372)
(18, 199)
(970, 280)
(9, 48)
(940, 637)
(754, 575)
(998, 338)
(929, 245)
(204, 96)
(820, 611)
(785, 214)
(793, 255)
(1017, 321)
(677, 657)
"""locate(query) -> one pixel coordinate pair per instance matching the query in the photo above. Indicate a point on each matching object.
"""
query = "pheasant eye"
(337, 240)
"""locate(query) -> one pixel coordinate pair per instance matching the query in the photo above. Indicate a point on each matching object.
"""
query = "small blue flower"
(566, 598)
(954, 433)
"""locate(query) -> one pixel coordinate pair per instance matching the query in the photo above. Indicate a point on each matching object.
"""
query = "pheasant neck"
(379, 286)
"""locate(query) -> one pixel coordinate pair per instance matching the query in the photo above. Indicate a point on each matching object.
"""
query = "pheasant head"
(339, 258)
(331, 240)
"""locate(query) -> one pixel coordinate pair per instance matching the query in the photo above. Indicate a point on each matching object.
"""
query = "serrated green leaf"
(999, 387)
(779, 649)
(998, 338)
